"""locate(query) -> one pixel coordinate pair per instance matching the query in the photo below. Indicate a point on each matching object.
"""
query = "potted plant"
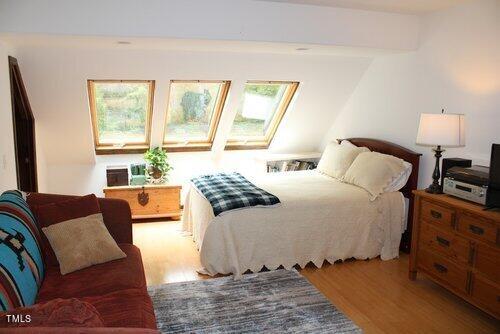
(158, 166)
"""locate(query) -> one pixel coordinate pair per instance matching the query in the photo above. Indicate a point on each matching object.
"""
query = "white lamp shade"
(441, 129)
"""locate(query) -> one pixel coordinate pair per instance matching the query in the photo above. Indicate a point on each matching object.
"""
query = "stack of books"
(290, 166)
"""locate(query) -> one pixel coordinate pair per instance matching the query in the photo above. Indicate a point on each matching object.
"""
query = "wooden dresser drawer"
(486, 293)
(477, 228)
(443, 269)
(437, 214)
(487, 261)
(447, 244)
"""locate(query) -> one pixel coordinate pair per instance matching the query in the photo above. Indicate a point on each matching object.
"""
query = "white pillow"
(374, 171)
(336, 159)
(400, 181)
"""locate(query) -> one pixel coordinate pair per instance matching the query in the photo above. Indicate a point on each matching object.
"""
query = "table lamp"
(440, 130)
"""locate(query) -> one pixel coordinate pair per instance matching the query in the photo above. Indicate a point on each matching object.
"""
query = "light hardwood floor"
(377, 295)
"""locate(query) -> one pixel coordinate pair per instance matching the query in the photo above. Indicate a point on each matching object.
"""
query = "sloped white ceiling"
(230, 20)
(391, 6)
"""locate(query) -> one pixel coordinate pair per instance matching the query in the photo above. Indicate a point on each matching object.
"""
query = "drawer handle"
(476, 229)
(443, 242)
(436, 214)
(439, 267)
(472, 254)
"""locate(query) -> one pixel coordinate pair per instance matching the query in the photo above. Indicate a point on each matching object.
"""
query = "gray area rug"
(278, 301)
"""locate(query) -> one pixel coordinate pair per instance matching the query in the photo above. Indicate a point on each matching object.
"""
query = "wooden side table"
(149, 201)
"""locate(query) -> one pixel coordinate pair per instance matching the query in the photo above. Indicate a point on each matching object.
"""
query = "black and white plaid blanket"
(228, 191)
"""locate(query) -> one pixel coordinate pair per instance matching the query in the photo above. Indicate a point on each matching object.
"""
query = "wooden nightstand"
(457, 244)
(149, 201)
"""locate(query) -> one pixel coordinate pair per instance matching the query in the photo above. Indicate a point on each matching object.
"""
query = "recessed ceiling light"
(123, 42)
(302, 49)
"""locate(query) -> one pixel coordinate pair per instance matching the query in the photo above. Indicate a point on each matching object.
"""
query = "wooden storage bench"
(149, 201)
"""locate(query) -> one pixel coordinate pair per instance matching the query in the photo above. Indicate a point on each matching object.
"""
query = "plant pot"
(155, 172)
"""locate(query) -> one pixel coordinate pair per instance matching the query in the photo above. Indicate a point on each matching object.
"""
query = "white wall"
(457, 67)
(241, 20)
(81, 179)
(8, 178)
(56, 77)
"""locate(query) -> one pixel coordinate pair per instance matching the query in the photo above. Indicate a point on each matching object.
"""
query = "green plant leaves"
(158, 158)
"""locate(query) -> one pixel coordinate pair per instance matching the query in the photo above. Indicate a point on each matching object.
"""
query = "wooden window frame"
(258, 143)
(101, 149)
(198, 145)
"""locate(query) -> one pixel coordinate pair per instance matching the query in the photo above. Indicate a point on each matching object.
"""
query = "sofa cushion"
(126, 308)
(55, 313)
(116, 213)
(54, 213)
(21, 264)
(82, 242)
(100, 279)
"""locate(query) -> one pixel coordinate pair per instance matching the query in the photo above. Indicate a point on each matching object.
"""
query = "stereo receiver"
(467, 183)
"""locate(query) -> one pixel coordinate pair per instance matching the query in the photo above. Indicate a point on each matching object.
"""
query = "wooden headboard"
(410, 156)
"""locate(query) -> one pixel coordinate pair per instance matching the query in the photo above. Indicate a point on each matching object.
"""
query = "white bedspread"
(319, 218)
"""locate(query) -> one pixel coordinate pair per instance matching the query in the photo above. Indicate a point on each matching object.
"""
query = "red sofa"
(117, 289)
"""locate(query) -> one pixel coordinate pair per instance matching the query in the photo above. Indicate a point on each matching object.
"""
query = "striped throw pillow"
(21, 264)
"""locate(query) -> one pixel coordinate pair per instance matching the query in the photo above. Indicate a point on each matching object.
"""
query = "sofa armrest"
(118, 219)
(115, 212)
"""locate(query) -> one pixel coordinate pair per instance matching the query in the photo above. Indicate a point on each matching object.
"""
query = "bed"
(319, 218)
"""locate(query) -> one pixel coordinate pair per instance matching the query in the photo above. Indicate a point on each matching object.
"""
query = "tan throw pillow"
(82, 242)
(374, 171)
(336, 159)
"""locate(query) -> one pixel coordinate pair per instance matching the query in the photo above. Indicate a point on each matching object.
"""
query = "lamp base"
(433, 189)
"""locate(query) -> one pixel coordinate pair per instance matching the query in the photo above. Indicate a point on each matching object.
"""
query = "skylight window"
(121, 114)
(259, 114)
(194, 109)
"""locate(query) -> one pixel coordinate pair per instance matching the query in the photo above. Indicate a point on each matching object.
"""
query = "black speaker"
(493, 193)
(452, 162)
